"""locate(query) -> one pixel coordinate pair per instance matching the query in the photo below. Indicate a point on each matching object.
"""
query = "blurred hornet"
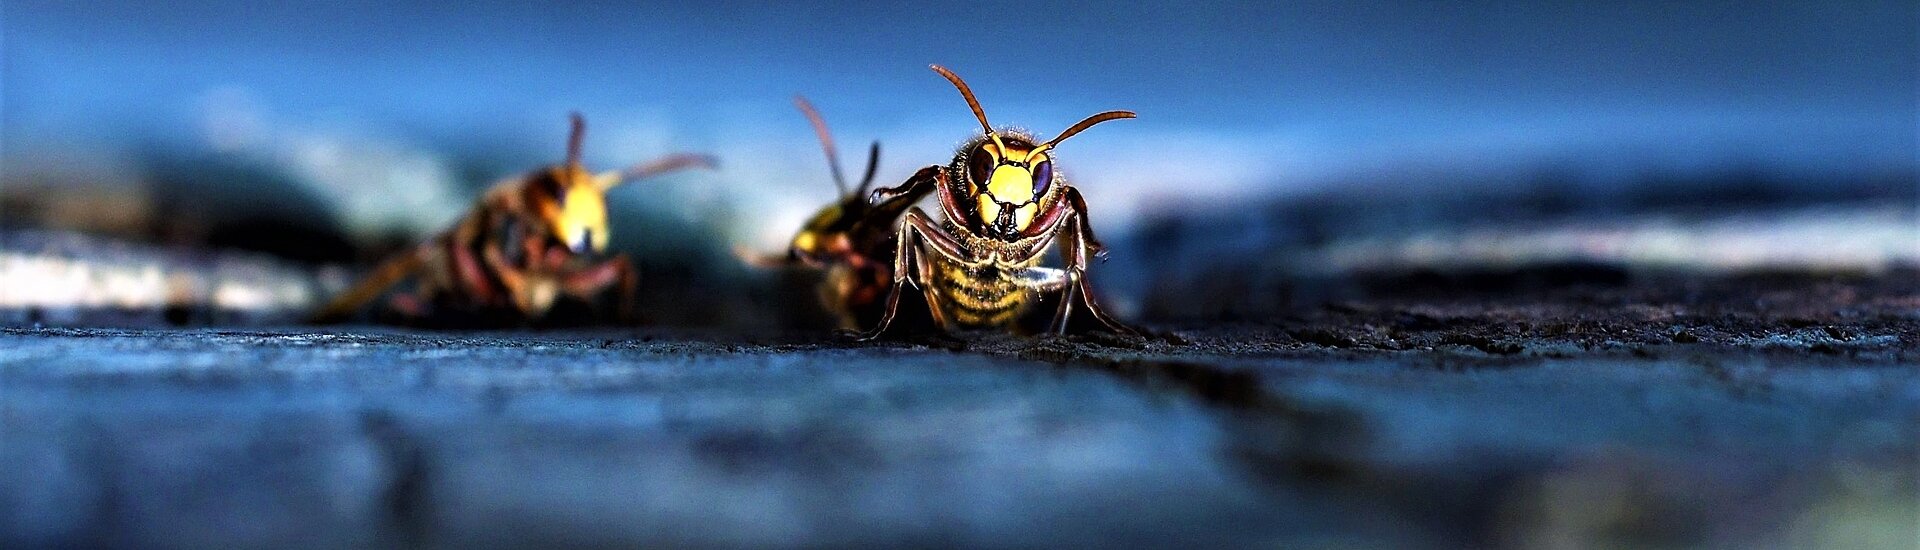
(1003, 206)
(528, 243)
(851, 240)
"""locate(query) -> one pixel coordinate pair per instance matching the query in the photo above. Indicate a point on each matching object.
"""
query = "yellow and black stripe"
(980, 296)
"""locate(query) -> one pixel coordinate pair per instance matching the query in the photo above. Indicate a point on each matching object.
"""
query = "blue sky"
(1234, 98)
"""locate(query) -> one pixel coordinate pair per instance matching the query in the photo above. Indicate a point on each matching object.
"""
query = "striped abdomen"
(979, 296)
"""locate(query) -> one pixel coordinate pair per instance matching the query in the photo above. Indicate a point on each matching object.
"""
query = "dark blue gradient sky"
(1234, 98)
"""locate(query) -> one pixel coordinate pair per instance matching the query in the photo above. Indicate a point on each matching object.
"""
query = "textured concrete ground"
(1294, 434)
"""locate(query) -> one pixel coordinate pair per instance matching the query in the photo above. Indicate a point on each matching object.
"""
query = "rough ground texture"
(1747, 412)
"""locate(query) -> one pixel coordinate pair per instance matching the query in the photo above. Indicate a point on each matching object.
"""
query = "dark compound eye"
(550, 186)
(1042, 177)
(980, 166)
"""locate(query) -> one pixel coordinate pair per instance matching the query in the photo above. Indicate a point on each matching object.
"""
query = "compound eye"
(550, 186)
(980, 166)
(1042, 177)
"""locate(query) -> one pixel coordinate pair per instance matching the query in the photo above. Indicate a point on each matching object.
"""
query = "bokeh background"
(235, 161)
(1480, 274)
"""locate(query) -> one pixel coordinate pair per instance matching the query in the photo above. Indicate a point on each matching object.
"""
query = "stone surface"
(1247, 436)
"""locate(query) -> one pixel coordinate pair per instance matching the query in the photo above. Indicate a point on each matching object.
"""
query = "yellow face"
(1008, 184)
(812, 240)
(578, 215)
(824, 237)
(1008, 176)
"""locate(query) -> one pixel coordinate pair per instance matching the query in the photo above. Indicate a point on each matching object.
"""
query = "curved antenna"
(826, 141)
(873, 162)
(971, 102)
(1082, 125)
(573, 140)
(670, 163)
(666, 164)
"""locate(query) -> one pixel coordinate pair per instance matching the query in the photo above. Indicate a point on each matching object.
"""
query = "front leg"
(916, 230)
(522, 286)
(588, 283)
(904, 195)
(1073, 251)
(1079, 206)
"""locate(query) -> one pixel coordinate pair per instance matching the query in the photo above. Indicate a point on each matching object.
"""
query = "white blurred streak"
(1125, 177)
(377, 184)
(231, 119)
(65, 276)
(779, 188)
(1819, 238)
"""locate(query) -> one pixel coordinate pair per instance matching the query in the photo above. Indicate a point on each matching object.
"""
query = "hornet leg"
(1074, 250)
(915, 231)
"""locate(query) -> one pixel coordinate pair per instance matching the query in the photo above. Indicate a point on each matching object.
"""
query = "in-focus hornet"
(1003, 204)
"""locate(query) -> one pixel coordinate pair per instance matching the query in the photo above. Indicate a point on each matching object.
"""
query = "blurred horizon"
(1236, 101)
(1277, 145)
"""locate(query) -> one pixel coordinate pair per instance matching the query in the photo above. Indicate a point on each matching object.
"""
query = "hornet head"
(827, 234)
(1005, 180)
(573, 201)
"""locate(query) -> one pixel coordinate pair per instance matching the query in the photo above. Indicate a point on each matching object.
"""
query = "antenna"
(971, 102)
(826, 141)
